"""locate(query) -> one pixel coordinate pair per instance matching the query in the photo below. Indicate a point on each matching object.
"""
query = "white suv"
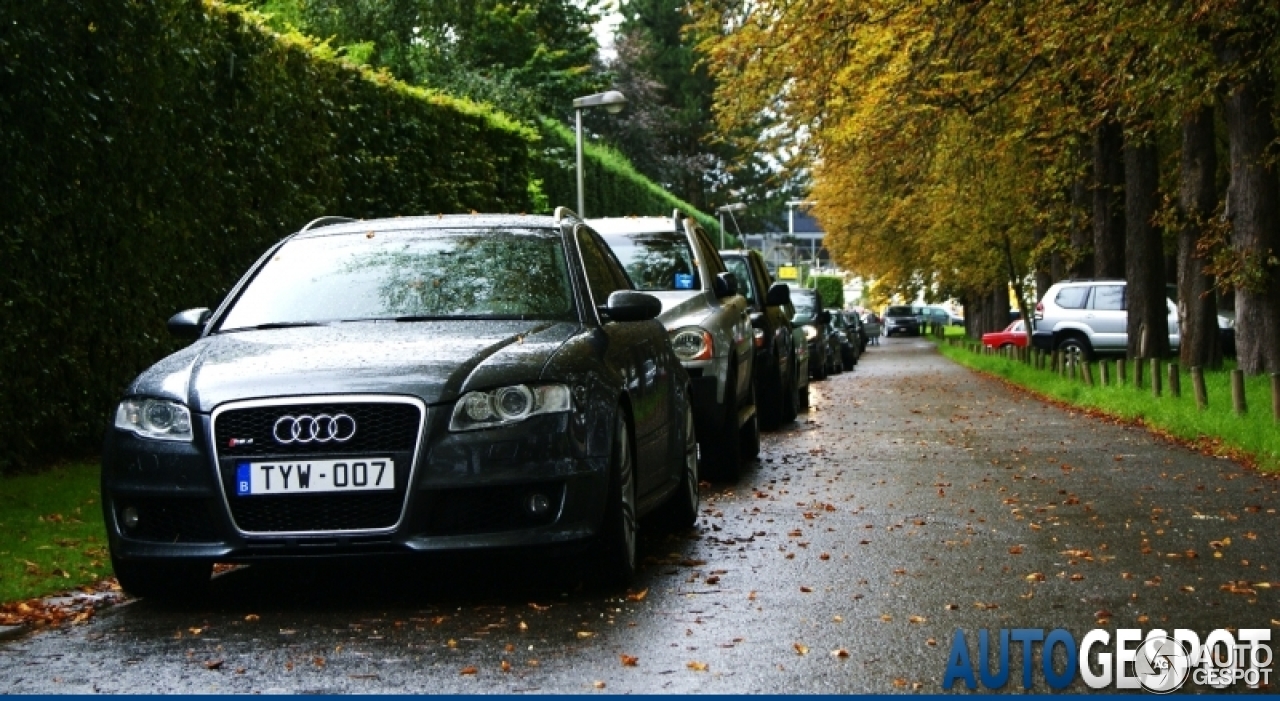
(1084, 317)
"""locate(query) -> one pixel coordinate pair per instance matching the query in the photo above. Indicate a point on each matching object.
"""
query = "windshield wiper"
(274, 325)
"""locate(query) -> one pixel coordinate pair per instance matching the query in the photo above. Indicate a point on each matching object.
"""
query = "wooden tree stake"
(1237, 392)
(1197, 386)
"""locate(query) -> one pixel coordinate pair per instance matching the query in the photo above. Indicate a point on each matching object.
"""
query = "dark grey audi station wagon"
(405, 385)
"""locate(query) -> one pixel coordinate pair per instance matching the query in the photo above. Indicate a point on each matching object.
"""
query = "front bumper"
(465, 491)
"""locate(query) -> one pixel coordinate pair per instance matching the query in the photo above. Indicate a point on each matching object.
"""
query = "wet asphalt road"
(914, 499)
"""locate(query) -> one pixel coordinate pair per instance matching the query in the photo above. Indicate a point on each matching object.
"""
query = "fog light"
(538, 504)
(129, 517)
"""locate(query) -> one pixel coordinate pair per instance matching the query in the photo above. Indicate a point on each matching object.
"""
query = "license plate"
(313, 476)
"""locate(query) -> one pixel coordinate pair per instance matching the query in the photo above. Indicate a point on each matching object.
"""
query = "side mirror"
(628, 305)
(189, 323)
(824, 317)
(725, 285)
(779, 294)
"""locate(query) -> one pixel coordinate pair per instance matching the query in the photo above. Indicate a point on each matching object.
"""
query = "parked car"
(781, 374)
(673, 259)
(1082, 318)
(398, 386)
(901, 319)
(810, 316)
(850, 342)
(1014, 334)
(855, 321)
(942, 316)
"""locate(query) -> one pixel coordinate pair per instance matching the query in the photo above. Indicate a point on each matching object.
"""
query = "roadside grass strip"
(1253, 437)
(51, 533)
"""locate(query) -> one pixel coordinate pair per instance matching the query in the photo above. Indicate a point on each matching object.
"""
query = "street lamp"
(612, 102)
(730, 209)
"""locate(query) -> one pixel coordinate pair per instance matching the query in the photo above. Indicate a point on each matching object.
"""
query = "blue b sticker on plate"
(242, 479)
(684, 281)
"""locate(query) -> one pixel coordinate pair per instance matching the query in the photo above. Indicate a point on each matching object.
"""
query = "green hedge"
(152, 149)
(613, 187)
(831, 287)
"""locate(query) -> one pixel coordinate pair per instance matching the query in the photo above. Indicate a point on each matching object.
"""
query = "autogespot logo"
(1158, 662)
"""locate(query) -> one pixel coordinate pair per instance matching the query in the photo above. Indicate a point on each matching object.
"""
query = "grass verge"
(51, 532)
(1253, 438)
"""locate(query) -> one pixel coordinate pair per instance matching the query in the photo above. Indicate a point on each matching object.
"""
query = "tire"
(817, 371)
(1004, 345)
(1074, 348)
(791, 394)
(681, 509)
(164, 580)
(850, 358)
(723, 448)
(802, 398)
(837, 364)
(771, 408)
(749, 433)
(616, 559)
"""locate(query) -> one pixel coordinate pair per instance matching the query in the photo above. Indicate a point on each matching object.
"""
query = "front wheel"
(791, 394)
(166, 580)
(681, 510)
(723, 448)
(617, 556)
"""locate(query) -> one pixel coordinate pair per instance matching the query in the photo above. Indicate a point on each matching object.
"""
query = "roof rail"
(676, 217)
(325, 221)
(563, 213)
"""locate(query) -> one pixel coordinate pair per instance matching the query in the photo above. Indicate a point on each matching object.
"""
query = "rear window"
(1072, 297)
(657, 262)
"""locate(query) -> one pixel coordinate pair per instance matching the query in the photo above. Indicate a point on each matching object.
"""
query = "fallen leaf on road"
(801, 648)
(637, 596)
(917, 619)
(597, 684)
(628, 660)
(697, 666)
(584, 634)
(213, 664)
(840, 652)
(251, 618)
(1015, 550)
(469, 670)
(806, 590)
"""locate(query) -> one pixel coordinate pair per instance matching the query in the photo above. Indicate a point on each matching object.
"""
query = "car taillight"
(1039, 315)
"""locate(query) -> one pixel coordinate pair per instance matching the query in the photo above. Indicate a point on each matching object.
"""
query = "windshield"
(500, 274)
(900, 311)
(657, 262)
(804, 305)
(738, 267)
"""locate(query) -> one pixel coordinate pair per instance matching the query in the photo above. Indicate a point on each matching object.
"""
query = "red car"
(1014, 334)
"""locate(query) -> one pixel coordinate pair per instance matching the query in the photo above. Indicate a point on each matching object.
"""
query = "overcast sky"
(605, 28)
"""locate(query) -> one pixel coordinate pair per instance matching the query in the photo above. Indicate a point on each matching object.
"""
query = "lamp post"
(730, 209)
(612, 102)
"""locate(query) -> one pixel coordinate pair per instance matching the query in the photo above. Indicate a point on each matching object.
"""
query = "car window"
(657, 261)
(1072, 297)
(601, 277)
(738, 267)
(1108, 297)
(498, 273)
(899, 311)
(805, 305)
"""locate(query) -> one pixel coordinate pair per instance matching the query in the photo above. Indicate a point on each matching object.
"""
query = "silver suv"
(673, 259)
(1084, 317)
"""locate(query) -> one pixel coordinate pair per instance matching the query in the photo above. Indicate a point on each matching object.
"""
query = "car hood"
(682, 308)
(434, 361)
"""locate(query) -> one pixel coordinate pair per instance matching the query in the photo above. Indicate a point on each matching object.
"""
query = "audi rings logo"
(338, 428)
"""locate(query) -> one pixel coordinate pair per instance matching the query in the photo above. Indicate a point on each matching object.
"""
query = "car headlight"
(692, 344)
(507, 405)
(155, 418)
(810, 332)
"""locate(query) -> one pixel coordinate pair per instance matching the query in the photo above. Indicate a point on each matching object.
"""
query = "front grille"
(487, 509)
(380, 427)
(383, 429)
(171, 520)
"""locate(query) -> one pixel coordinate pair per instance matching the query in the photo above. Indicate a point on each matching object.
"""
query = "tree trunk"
(1197, 198)
(1252, 209)
(1146, 297)
(1081, 231)
(1108, 200)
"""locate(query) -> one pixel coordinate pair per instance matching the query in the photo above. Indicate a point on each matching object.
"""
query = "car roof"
(438, 221)
(634, 225)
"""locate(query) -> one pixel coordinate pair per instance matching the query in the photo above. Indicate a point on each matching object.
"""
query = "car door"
(1105, 314)
(779, 321)
(640, 351)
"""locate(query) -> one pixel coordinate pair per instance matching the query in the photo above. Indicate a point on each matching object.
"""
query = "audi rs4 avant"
(402, 386)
